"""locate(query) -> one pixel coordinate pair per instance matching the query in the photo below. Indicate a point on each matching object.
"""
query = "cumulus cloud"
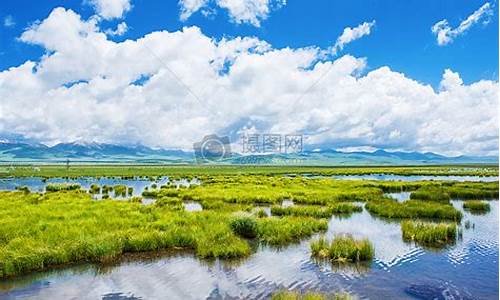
(121, 29)
(8, 21)
(111, 9)
(445, 34)
(169, 89)
(351, 34)
(188, 7)
(240, 11)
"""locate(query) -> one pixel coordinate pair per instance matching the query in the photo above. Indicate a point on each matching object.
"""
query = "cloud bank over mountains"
(169, 89)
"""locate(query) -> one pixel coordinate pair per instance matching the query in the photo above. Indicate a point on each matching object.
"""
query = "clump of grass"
(307, 211)
(171, 202)
(94, 188)
(214, 204)
(343, 248)
(56, 187)
(244, 226)
(476, 206)
(23, 189)
(345, 208)
(430, 194)
(315, 211)
(281, 231)
(135, 199)
(432, 234)
(474, 190)
(120, 190)
(261, 213)
(289, 295)
(106, 189)
(414, 209)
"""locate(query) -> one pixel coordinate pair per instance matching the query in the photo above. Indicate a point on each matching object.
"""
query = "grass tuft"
(343, 248)
(476, 206)
(244, 226)
(430, 234)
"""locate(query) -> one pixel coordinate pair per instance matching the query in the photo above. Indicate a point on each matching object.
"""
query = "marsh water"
(391, 177)
(139, 184)
(466, 270)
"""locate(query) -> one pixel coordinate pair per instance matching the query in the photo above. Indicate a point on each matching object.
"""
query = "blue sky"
(402, 38)
(393, 75)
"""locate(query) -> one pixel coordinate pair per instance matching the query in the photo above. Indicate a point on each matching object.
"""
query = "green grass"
(343, 248)
(289, 295)
(132, 171)
(431, 194)
(65, 226)
(433, 234)
(244, 226)
(476, 206)
(39, 231)
(56, 187)
(281, 231)
(413, 209)
(120, 190)
(94, 189)
(316, 211)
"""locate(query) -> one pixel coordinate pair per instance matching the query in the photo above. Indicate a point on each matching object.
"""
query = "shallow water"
(192, 206)
(37, 184)
(389, 177)
(401, 196)
(466, 270)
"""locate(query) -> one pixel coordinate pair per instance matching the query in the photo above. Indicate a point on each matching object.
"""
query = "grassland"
(66, 226)
(41, 231)
(131, 171)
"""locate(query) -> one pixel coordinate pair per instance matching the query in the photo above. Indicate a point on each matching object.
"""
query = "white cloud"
(121, 29)
(351, 34)
(8, 21)
(240, 11)
(86, 88)
(188, 7)
(445, 34)
(111, 9)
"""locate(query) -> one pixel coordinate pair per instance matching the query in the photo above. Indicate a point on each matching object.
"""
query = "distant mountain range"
(18, 152)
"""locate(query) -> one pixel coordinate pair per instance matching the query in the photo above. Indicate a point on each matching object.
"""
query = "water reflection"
(400, 197)
(389, 177)
(137, 184)
(192, 206)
